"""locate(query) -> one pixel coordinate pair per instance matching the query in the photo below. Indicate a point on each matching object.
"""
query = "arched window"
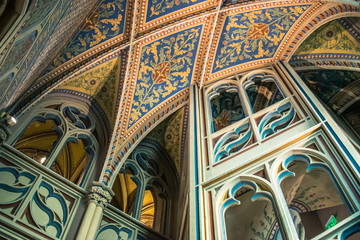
(142, 187)
(63, 138)
(262, 91)
(245, 109)
(148, 209)
(39, 138)
(226, 106)
(312, 195)
(300, 196)
(74, 158)
(125, 198)
(248, 211)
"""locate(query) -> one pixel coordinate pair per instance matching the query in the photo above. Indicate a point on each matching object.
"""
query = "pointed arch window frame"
(271, 189)
(68, 132)
(221, 143)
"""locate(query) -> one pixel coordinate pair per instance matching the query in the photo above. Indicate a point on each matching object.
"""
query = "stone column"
(99, 196)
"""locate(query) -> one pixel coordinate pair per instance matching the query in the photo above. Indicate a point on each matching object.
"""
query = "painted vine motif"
(331, 36)
(165, 68)
(41, 11)
(106, 22)
(169, 134)
(100, 82)
(262, 229)
(309, 197)
(226, 109)
(158, 8)
(18, 51)
(5, 83)
(254, 35)
(173, 137)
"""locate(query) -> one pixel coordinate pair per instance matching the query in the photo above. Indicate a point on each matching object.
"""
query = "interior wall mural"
(253, 35)
(247, 38)
(18, 51)
(170, 134)
(226, 109)
(330, 38)
(106, 21)
(26, 42)
(163, 64)
(181, 119)
(157, 13)
(342, 97)
(336, 43)
(102, 83)
(326, 83)
(165, 68)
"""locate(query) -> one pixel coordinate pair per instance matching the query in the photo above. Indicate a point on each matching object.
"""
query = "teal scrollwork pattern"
(112, 231)
(254, 35)
(232, 141)
(49, 210)
(14, 185)
(166, 67)
(276, 120)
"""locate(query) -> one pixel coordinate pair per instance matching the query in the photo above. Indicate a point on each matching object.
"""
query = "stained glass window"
(226, 108)
(262, 92)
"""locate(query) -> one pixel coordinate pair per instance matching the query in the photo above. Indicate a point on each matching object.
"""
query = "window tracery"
(61, 137)
(256, 207)
(312, 194)
(245, 109)
(301, 185)
(262, 91)
(142, 188)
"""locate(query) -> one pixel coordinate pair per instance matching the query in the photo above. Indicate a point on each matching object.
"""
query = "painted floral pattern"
(158, 8)
(41, 11)
(330, 37)
(18, 51)
(254, 35)
(169, 134)
(101, 83)
(165, 68)
(261, 229)
(105, 22)
(173, 137)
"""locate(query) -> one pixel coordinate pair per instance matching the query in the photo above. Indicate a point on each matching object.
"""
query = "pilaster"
(99, 197)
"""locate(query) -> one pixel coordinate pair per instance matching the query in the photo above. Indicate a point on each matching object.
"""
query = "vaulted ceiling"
(137, 59)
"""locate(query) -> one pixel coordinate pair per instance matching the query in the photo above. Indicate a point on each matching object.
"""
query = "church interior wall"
(201, 119)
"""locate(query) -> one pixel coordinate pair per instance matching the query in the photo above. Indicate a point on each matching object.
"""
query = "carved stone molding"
(100, 194)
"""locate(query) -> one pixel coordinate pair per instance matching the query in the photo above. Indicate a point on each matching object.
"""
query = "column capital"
(100, 194)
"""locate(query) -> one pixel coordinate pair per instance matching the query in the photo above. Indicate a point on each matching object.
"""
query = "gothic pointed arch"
(66, 136)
